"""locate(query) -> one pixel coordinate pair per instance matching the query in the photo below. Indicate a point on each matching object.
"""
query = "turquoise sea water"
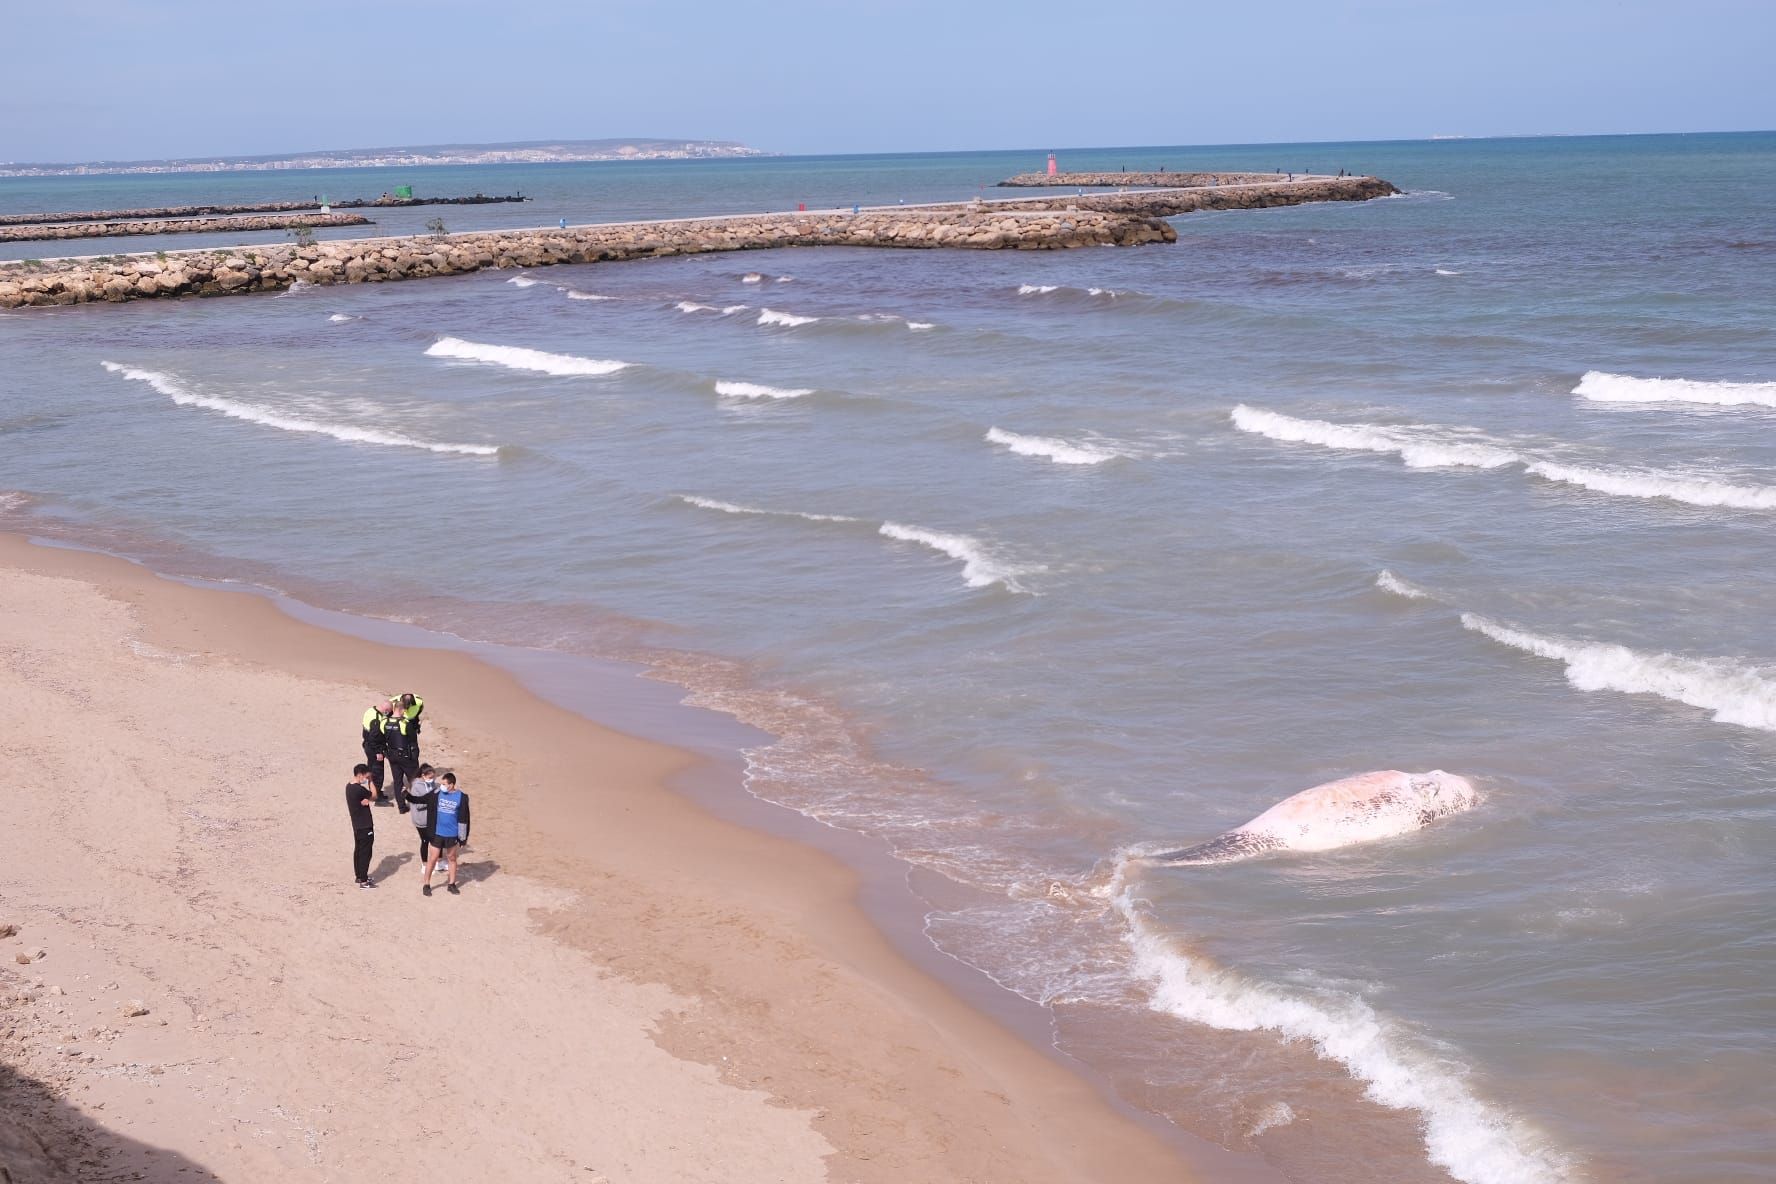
(1032, 559)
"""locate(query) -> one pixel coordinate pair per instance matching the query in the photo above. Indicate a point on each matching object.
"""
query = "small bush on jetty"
(436, 226)
(32, 262)
(304, 234)
(161, 255)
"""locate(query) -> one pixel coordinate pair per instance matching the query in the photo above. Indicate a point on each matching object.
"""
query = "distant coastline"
(523, 152)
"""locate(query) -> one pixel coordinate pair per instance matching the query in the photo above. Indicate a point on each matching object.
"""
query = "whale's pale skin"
(1359, 809)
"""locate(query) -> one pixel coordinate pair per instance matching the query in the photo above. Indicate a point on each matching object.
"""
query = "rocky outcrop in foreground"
(16, 234)
(1113, 219)
(1168, 180)
(273, 207)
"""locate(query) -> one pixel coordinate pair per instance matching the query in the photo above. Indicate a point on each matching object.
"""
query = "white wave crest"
(753, 390)
(1419, 448)
(576, 294)
(693, 306)
(1037, 289)
(1447, 271)
(1695, 491)
(920, 326)
(169, 386)
(1061, 452)
(772, 317)
(731, 309)
(516, 358)
(340, 318)
(1113, 293)
(1475, 1141)
(709, 503)
(1603, 387)
(523, 281)
(783, 279)
(979, 569)
(1387, 581)
(1735, 694)
(752, 277)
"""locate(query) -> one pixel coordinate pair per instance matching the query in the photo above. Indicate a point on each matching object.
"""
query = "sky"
(144, 79)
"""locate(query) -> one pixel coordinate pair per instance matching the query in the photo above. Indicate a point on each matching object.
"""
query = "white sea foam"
(693, 306)
(709, 503)
(295, 289)
(1735, 694)
(1603, 387)
(1274, 1115)
(1447, 271)
(920, 326)
(1475, 1141)
(1420, 448)
(783, 279)
(753, 390)
(1113, 293)
(1695, 491)
(173, 389)
(516, 358)
(576, 294)
(523, 281)
(769, 316)
(1061, 452)
(752, 277)
(1387, 581)
(1425, 447)
(979, 568)
(340, 318)
(731, 309)
(1037, 289)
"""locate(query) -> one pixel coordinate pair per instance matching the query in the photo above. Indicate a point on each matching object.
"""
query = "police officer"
(374, 744)
(400, 746)
(411, 705)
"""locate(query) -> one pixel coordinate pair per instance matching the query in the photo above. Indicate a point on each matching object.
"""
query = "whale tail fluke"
(1226, 848)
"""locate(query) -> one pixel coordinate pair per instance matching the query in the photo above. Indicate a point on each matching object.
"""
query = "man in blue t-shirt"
(450, 831)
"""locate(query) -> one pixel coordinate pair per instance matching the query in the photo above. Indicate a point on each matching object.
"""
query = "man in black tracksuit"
(358, 795)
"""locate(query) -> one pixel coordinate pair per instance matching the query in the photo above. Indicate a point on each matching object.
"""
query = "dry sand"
(628, 989)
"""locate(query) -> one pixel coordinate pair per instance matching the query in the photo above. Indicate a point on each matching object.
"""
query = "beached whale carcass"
(1359, 809)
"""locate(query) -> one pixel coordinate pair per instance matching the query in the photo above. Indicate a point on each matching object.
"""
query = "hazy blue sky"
(88, 79)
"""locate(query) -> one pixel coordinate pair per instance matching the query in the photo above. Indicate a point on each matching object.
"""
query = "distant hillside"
(522, 152)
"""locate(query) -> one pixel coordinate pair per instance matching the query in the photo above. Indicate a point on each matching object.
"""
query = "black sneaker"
(453, 889)
(365, 884)
(425, 889)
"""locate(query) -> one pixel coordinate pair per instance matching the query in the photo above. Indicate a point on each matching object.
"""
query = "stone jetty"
(1164, 180)
(1131, 219)
(386, 201)
(16, 234)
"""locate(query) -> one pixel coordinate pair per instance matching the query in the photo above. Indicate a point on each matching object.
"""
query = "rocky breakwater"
(1168, 203)
(973, 225)
(274, 207)
(13, 234)
(1101, 180)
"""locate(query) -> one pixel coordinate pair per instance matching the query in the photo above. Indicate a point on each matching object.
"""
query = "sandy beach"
(627, 989)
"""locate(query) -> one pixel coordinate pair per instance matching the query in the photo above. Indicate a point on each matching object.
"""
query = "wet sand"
(629, 988)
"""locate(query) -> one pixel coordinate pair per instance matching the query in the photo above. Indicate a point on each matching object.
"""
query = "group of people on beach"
(392, 775)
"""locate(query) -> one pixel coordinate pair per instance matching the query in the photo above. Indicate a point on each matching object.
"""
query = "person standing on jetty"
(450, 831)
(374, 717)
(359, 793)
(421, 795)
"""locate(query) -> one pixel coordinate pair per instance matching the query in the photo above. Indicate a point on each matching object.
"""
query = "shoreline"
(1004, 1097)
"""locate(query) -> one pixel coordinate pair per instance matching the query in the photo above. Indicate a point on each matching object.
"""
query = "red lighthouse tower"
(1051, 164)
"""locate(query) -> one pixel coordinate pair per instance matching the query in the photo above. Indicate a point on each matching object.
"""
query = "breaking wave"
(340, 318)
(1037, 289)
(516, 358)
(523, 281)
(1447, 271)
(1424, 448)
(980, 569)
(1414, 446)
(576, 294)
(752, 277)
(1735, 694)
(768, 316)
(1061, 452)
(1474, 1141)
(753, 390)
(1602, 387)
(1387, 581)
(169, 386)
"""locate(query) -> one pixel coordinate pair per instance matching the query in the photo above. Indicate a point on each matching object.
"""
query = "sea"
(1026, 563)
